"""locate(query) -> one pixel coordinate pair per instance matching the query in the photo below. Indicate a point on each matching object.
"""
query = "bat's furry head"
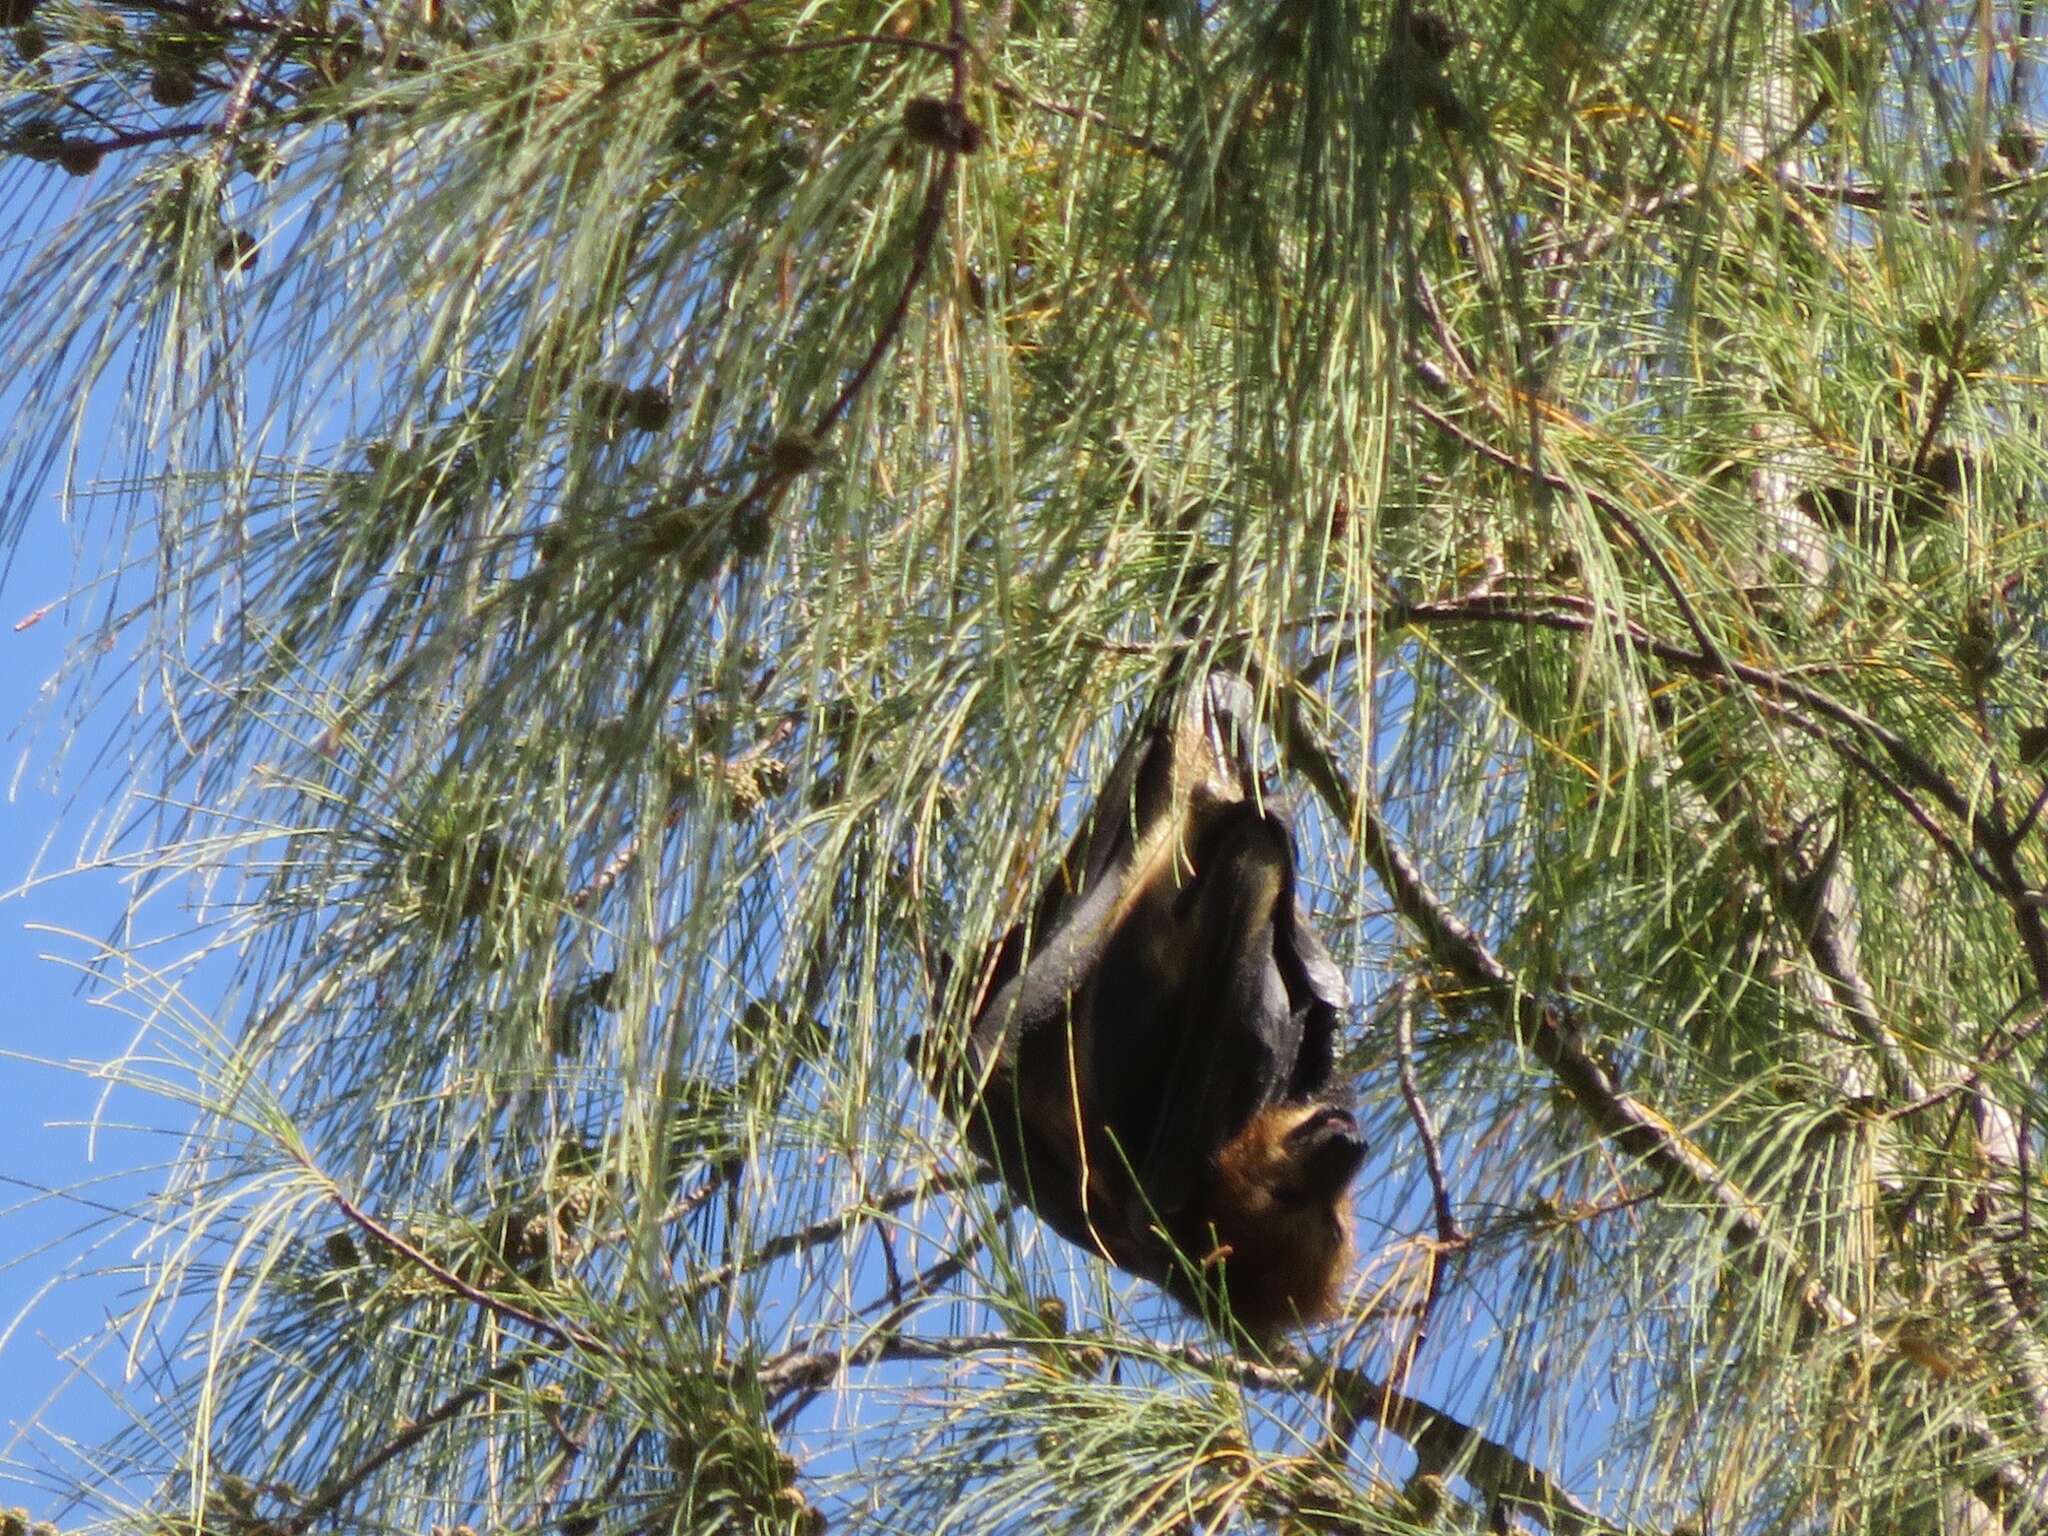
(1277, 1218)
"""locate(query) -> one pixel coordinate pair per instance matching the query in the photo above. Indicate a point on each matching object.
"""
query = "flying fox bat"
(1155, 1045)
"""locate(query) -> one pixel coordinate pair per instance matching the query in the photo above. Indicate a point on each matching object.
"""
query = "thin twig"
(141, 136)
(849, 40)
(1130, 136)
(1448, 1230)
(389, 1239)
(1443, 1443)
(415, 1431)
(205, 17)
(766, 492)
(1874, 198)
(1493, 607)
(1990, 853)
(574, 1446)
(2034, 809)
(889, 1325)
(1450, 1236)
(1815, 904)
(826, 1230)
(1440, 326)
(1655, 204)
(815, 1369)
(608, 874)
(237, 109)
(1600, 501)
(922, 241)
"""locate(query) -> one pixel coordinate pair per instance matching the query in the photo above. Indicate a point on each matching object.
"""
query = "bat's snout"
(1327, 1149)
(1325, 1121)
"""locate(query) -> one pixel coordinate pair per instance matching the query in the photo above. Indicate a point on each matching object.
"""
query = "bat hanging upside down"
(1155, 1046)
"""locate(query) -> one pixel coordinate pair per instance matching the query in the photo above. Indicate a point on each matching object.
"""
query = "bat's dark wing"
(1038, 1118)
(1042, 966)
(1320, 997)
(1168, 987)
(1255, 999)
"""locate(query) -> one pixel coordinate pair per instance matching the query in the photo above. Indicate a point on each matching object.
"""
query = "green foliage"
(652, 520)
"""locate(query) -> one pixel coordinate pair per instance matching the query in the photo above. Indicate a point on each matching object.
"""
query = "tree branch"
(1545, 1030)
(331, 1498)
(1990, 853)
(1443, 1442)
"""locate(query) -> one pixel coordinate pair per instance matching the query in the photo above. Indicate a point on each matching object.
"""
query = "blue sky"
(55, 1169)
(44, 1108)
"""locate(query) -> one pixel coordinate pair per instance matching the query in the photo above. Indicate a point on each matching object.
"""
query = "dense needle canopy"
(624, 534)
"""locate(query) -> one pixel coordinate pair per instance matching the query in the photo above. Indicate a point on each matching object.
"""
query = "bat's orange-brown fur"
(1275, 1220)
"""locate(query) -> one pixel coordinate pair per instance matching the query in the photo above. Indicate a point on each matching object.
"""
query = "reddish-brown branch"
(1544, 1027)
(449, 1280)
(139, 137)
(1450, 1236)
(330, 1498)
(1129, 136)
(922, 241)
(769, 487)
(1599, 501)
(1491, 607)
(920, 1290)
(1990, 852)
(847, 40)
(1444, 1443)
